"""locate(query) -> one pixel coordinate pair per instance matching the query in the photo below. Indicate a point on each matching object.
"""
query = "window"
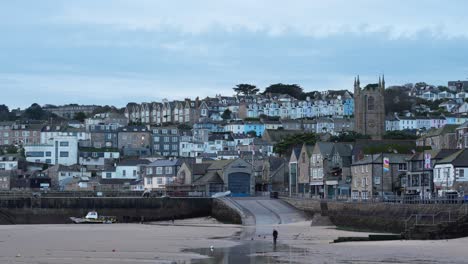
(36, 154)
(48, 153)
(108, 175)
(64, 154)
(156, 139)
(166, 147)
(164, 131)
(461, 173)
(134, 173)
(174, 139)
(160, 180)
(159, 170)
(370, 103)
(149, 170)
(149, 181)
(362, 168)
(168, 170)
(64, 143)
(166, 139)
(174, 147)
(402, 167)
(367, 168)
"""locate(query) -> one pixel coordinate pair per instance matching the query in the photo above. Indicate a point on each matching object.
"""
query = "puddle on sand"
(247, 252)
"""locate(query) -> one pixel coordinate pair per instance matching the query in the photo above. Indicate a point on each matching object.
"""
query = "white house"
(451, 173)
(8, 163)
(237, 127)
(58, 150)
(392, 124)
(430, 96)
(129, 169)
(463, 108)
(446, 95)
(325, 125)
(97, 157)
(407, 123)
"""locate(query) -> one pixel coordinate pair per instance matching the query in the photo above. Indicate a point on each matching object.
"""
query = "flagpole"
(383, 171)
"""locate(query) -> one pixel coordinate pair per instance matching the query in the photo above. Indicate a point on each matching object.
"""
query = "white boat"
(93, 218)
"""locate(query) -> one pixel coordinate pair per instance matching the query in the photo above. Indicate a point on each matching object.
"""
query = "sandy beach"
(164, 242)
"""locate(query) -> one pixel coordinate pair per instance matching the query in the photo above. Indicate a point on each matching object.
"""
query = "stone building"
(370, 108)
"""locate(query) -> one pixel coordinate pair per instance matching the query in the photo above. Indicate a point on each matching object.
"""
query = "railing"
(433, 219)
(408, 199)
(38, 194)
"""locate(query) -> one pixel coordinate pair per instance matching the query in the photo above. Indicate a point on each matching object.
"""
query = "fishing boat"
(93, 218)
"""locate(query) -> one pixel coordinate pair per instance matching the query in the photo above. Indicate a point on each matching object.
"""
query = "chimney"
(199, 160)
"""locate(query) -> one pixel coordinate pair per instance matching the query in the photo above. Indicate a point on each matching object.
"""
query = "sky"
(118, 51)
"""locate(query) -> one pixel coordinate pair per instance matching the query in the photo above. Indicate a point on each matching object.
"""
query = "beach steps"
(443, 230)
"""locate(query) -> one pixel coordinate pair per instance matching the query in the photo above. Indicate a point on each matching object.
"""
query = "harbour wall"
(380, 217)
(58, 210)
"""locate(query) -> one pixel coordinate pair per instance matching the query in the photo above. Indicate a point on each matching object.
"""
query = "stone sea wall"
(382, 217)
(58, 210)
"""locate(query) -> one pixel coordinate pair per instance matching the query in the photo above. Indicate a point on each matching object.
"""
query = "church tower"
(369, 108)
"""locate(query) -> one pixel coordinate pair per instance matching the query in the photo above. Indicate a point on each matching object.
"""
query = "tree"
(226, 114)
(5, 114)
(34, 112)
(293, 90)
(11, 149)
(349, 136)
(80, 116)
(286, 145)
(184, 127)
(396, 100)
(246, 89)
(399, 135)
(252, 133)
(104, 109)
(420, 85)
(254, 119)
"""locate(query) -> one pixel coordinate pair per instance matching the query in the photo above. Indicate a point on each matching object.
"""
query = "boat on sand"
(93, 218)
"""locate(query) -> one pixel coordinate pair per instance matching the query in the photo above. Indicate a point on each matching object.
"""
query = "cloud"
(397, 18)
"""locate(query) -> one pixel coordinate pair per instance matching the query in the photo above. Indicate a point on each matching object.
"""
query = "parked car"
(412, 198)
(387, 197)
(451, 197)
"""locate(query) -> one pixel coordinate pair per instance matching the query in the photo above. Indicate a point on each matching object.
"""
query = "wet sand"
(110, 243)
(165, 243)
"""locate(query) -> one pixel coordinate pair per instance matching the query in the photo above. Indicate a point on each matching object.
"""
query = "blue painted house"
(348, 107)
(258, 127)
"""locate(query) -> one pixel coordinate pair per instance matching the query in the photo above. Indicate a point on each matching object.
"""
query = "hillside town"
(329, 144)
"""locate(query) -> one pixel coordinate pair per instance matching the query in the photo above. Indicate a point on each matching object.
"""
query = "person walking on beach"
(275, 236)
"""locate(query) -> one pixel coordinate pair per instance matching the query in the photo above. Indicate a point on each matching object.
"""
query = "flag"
(386, 164)
(427, 160)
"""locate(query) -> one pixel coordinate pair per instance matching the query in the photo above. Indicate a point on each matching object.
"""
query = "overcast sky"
(119, 51)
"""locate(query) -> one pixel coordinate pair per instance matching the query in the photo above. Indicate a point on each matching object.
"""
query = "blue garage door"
(239, 184)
